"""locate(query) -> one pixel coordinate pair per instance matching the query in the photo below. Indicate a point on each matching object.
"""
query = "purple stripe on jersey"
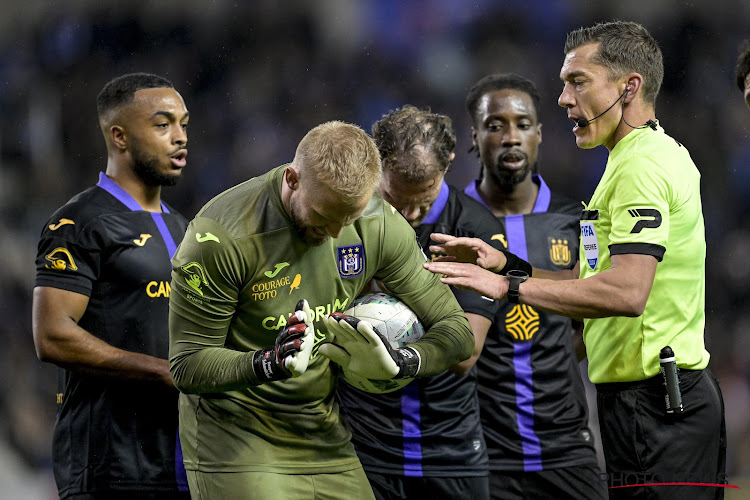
(532, 452)
(438, 206)
(544, 196)
(164, 230)
(532, 449)
(411, 430)
(124, 197)
(516, 235)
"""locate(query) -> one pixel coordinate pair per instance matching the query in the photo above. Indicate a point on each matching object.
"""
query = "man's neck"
(520, 199)
(148, 197)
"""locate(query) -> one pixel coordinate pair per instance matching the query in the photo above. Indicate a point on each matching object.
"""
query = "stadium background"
(257, 75)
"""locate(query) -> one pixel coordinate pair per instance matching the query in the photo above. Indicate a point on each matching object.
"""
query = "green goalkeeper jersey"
(647, 202)
(237, 277)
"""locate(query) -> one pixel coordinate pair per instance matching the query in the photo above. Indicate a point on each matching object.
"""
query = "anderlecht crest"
(351, 260)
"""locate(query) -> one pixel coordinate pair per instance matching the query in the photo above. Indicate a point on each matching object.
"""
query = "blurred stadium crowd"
(257, 75)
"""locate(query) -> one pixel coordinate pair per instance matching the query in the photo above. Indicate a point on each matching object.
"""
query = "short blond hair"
(342, 157)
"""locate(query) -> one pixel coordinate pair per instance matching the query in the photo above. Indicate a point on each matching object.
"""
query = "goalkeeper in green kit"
(257, 284)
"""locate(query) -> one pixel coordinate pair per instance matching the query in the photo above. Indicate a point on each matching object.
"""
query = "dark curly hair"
(405, 135)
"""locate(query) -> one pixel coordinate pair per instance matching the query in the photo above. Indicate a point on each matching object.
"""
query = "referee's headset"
(583, 122)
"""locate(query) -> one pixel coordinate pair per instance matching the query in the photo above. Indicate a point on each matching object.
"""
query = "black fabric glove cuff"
(515, 263)
(266, 368)
(408, 362)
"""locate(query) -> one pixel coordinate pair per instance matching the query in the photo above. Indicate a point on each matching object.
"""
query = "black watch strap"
(515, 278)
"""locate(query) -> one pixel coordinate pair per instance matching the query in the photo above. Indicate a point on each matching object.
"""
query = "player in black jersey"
(101, 304)
(425, 440)
(533, 405)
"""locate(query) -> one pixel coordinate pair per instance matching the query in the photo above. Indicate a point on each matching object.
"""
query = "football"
(397, 322)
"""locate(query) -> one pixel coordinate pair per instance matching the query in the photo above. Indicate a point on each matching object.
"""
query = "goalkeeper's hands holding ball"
(359, 347)
(290, 355)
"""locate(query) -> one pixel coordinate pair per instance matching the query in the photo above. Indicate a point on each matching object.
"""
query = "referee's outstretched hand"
(290, 354)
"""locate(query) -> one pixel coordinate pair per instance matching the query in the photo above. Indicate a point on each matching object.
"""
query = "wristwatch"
(515, 278)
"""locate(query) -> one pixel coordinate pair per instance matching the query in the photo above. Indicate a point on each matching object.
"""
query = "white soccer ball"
(397, 322)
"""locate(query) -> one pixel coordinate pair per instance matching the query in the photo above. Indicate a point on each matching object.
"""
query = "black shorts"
(644, 445)
(566, 483)
(397, 487)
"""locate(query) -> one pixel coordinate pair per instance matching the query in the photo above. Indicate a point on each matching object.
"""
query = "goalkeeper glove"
(290, 355)
(359, 347)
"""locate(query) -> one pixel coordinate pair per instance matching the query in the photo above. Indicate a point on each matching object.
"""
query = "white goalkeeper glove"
(290, 354)
(359, 347)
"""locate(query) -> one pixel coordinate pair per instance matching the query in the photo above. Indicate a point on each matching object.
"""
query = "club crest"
(351, 260)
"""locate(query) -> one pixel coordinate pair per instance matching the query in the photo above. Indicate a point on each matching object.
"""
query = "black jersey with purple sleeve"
(113, 434)
(533, 404)
(431, 427)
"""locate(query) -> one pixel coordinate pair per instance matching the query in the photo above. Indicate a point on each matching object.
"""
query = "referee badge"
(589, 243)
(351, 260)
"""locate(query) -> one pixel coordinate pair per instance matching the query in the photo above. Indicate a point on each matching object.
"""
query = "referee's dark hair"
(122, 89)
(743, 65)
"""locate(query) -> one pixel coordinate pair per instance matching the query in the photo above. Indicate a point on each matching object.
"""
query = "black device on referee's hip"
(668, 367)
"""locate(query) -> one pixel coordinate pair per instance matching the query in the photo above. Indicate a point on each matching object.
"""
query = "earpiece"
(629, 87)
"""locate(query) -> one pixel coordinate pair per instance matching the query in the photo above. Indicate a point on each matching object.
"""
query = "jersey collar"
(542, 199)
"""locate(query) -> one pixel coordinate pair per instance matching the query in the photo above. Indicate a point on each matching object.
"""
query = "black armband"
(515, 263)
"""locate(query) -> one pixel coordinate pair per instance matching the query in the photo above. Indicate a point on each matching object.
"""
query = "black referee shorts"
(644, 446)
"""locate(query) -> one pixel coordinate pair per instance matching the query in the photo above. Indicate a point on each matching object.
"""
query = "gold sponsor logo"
(142, 241)
(196, 277)
(59, 398)
(522, 322)
(559, 251)
(63, 222)
(158, 289)
(501, 238)
(269, 289)
(60, 260)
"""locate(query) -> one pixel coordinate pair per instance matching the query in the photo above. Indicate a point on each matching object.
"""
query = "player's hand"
(290, 355)
(476, 251)
(470, 277)
(359, 347)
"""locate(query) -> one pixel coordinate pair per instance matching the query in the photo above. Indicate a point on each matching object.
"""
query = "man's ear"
(291, 177)
(118, 137)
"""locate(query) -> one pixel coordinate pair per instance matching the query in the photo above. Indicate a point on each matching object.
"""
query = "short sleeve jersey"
(532, 399)
(238, 275)
(648, 202)
(431, 427)
(113, 434)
